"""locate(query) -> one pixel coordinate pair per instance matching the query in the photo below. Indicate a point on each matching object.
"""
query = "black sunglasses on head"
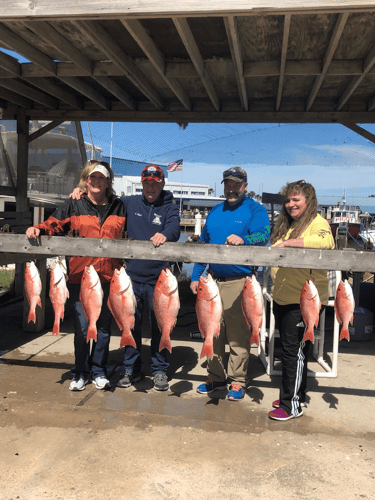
(239, 175)
(104, 163)
(155, 173)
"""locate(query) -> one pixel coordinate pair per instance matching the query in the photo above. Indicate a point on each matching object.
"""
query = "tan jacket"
(288, 282)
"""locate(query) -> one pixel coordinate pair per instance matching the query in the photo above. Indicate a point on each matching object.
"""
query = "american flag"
(175, 165)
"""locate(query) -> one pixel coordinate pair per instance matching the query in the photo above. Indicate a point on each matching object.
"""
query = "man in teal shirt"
(238, 221)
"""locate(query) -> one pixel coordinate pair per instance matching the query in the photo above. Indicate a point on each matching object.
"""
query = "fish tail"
(91, 333)
(309, 335)
(254, 338)
(344, 334)
(207, 350)
(31, 316)
(127, 339)
(165, 343)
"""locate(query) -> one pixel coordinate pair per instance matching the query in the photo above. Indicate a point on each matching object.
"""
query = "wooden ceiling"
(232, 61)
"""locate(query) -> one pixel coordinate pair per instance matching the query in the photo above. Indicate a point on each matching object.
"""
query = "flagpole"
(182, 177)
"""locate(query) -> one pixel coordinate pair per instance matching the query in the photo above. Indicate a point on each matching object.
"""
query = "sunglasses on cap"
(99, 162)
(238, 175)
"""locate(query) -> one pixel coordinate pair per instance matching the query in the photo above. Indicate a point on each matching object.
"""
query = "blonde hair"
(85, 174)
(284, 221)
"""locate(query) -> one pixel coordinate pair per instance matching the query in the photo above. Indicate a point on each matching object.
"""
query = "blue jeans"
(93, 362)
(132, 357)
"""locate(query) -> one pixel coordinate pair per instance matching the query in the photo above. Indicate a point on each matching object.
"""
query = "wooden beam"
(44, 130)
(156, 58)
(10, 96)
(205, 116)
(87, 91)
(81, 143)
(368, 63)
(22, 160)
(177, 252)
(284, 50)
(21, 46)
(29, 92)
(231, 27)
(335, 38)
(8, 191)
(10, 64)
(117, 91)
(57, 91)
(108, 46)
(69, 51)
(361, 131)
(92, 9)
(191, 46)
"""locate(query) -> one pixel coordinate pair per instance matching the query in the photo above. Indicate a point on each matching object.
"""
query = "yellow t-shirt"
(288, 282)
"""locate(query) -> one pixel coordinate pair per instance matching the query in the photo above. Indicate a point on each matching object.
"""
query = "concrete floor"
(170, 435)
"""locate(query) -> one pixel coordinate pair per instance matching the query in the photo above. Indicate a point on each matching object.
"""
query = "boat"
(344, 216)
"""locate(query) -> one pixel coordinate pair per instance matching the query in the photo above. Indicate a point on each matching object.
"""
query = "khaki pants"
(235, 332)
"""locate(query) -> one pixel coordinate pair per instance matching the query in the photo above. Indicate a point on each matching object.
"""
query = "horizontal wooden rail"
(16, 248)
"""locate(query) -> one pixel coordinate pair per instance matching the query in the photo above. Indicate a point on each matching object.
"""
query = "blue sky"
(331, 157)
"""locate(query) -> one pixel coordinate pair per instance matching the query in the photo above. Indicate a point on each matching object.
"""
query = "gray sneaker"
(79, 384)
(128, 379)
(161, 382)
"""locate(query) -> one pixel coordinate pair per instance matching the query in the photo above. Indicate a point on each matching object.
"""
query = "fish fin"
(351, 319)
(39, 302)
(309, 335)
(254, 338)
(344, 334)
(127, 339)
(207, 350)
(165, 343)
(91, 334)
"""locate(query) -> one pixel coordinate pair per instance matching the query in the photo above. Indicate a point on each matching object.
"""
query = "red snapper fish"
(33, 288)
(310, 306)
(252, 307)
(344, 307)
(122, 304)
(209, 310)
(58, 293)
(91, 297)
(166, 304)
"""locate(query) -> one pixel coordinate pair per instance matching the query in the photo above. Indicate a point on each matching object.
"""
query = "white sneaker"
(78, 385)
(101, 382)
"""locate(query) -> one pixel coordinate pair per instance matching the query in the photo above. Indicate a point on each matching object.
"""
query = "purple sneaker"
(280, 414)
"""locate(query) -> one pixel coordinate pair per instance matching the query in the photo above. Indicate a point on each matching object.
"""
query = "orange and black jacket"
(84, 216)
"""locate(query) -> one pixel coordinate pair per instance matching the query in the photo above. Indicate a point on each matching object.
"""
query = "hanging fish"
(209, 310)
(252, 307)
(33, 288)
(122, 304)
(166, 304)
(58, 293)
(344, 307)
(310, 306)
(91, 297)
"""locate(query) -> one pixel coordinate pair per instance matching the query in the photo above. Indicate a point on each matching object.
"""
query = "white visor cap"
(101, 169)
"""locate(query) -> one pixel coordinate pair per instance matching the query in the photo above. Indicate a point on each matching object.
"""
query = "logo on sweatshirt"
(157, 219)
(139, 215)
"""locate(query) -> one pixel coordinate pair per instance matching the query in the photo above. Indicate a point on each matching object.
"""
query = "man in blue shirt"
(238, 221)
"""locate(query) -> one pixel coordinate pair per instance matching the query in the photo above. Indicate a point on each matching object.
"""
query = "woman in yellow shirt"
(298, 225)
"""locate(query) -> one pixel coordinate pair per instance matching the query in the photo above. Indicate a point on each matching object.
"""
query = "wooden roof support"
(284, 50)
(335, 38)
(148, 46)
(195, 55)
(22, 160)
(44, 130)
(81, 143)
(15, 98)
(56, 90)
(21, 46)
(10, 64)
(231, 27)
(117, 91)
(368, 63)
(87, 91)
(361, 131)
(108, 46)
(29, 92)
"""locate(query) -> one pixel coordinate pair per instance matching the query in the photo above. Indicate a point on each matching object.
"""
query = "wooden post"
(81, 143)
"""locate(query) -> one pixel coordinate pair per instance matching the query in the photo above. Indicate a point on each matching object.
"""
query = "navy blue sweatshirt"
(145, 219)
